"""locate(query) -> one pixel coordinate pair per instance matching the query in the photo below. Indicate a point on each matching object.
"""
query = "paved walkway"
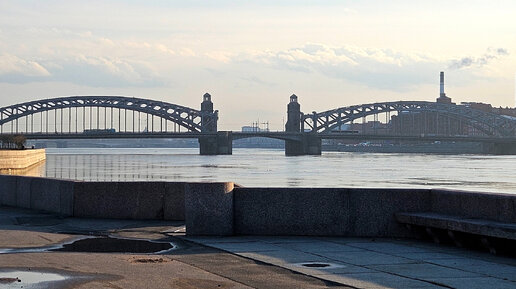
(370, 263)
(231, 262)
(190, 266)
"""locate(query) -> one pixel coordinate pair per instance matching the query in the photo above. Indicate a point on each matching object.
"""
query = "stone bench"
(459, 224)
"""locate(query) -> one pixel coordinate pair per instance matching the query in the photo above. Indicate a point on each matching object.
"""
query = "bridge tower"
(309, 143)
(213, 142)
(293, 115)
(209, 117)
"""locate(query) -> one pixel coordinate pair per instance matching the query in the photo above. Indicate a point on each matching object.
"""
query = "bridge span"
(110, 117)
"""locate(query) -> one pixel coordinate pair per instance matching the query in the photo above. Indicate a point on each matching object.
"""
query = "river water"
(270, 168)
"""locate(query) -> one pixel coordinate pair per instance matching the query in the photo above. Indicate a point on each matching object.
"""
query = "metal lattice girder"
(490, 123)
(183, 116)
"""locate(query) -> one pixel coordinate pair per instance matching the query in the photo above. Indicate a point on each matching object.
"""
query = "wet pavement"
(40, 250)
(29, 240)
(29, 279)
(117, 245)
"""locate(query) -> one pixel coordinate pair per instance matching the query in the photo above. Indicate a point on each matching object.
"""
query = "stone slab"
(489, 206)
(390, 247)
(174, 201)
(209, 208)
(283, 239)
(119, 200)
(491, 269)
(475, 283)
(319, 247)
(424, 256)
(282, 257)
(373, 210)
(244, 247)
(150, 196)
(8, 190)
(325, 211)
(376, 280)
(45, 194)
(66, 194)
(23, 190)
(365, 257)
(460, 224)
(423, 271)
(284, 211)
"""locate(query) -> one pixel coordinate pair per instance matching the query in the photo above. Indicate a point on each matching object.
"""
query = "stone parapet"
(227, 209)
(209, 208)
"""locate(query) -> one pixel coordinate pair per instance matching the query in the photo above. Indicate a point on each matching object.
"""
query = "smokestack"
(442, 94)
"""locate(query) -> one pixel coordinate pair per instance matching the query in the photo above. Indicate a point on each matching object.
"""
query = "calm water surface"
(270, 168)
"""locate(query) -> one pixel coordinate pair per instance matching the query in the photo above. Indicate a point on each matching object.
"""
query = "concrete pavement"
(190, 266)
(238, 262)
(374, 263)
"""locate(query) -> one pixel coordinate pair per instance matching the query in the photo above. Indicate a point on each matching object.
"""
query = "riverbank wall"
(228, 209)
(418, 148)
(20, 159)
(115, 200)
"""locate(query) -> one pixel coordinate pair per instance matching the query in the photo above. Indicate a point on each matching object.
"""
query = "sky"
(252, 55)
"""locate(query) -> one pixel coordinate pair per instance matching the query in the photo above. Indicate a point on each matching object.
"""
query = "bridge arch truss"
(488, 123)
(67, 111)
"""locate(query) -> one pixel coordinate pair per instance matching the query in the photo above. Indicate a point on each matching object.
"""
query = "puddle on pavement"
(317, 265)
(92, 244)
(116, 245)
(28, 279)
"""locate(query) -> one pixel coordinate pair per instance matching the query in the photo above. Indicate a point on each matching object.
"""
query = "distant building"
(249, 128)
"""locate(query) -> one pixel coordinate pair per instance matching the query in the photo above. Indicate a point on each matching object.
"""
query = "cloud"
(13, 65)
(384, 69)
(377, 68)
(81, 69)
(465, 62)
(85, 59)
(105, 72)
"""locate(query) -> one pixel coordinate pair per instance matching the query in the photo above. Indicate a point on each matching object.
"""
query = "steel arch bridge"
(191, 119)
(489, 123)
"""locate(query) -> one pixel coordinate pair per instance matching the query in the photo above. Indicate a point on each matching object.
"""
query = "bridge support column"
(312, 145)
(219, 144)
(308, 145)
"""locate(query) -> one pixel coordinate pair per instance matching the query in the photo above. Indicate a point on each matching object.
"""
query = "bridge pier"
(220, 143)
(308, 145)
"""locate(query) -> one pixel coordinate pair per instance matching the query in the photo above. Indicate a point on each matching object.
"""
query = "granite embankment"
(116, 200)
(228, 209)
(20, 159)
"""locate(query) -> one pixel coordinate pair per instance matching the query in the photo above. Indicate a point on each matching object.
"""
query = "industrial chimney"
(442, 96)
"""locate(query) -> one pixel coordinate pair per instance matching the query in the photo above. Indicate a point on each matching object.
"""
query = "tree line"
(12, 141)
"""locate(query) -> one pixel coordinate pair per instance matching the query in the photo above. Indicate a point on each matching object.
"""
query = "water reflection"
(30, 279)
(270, 168)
